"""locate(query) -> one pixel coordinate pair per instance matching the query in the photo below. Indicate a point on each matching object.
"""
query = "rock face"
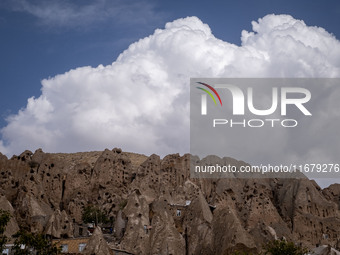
(158, 209)
(97, 244)
(325, 250)
(12, 226)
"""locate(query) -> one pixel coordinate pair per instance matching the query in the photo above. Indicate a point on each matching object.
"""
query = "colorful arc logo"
(209, 93)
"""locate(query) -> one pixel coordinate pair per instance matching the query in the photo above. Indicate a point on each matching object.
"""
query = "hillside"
(157, 209)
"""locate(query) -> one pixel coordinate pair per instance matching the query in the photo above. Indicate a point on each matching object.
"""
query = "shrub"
(282, 247)
(29, 243)
(92, 213)
(4, 219)
(278, 247)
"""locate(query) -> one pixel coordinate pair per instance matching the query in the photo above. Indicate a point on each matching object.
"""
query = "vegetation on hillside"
(278, 247)
(93, 214)
(4, 219)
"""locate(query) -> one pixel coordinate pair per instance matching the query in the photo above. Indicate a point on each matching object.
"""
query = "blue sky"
(33, 48)
(88, 75)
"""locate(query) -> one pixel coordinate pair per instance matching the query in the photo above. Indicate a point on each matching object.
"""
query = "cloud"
(3, 149)
(68, 14)
(141, 101)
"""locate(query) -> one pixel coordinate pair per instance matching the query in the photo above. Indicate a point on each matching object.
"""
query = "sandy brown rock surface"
(156, 208)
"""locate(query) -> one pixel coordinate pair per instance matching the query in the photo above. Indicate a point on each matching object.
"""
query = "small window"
(64, 248)
(82, 246)
(178, 213)
(5, 251)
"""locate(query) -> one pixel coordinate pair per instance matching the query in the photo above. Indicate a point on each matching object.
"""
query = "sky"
(88, 75)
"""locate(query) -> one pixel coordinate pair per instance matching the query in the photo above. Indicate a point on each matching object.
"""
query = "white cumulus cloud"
(141, 101)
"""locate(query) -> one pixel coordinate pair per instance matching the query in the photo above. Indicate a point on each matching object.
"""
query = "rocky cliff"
(158, 209)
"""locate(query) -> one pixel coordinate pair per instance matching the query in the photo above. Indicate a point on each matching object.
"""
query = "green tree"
(277, 247)
(282, 247)
(29, 243)
(92, 213)
(4, 219)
